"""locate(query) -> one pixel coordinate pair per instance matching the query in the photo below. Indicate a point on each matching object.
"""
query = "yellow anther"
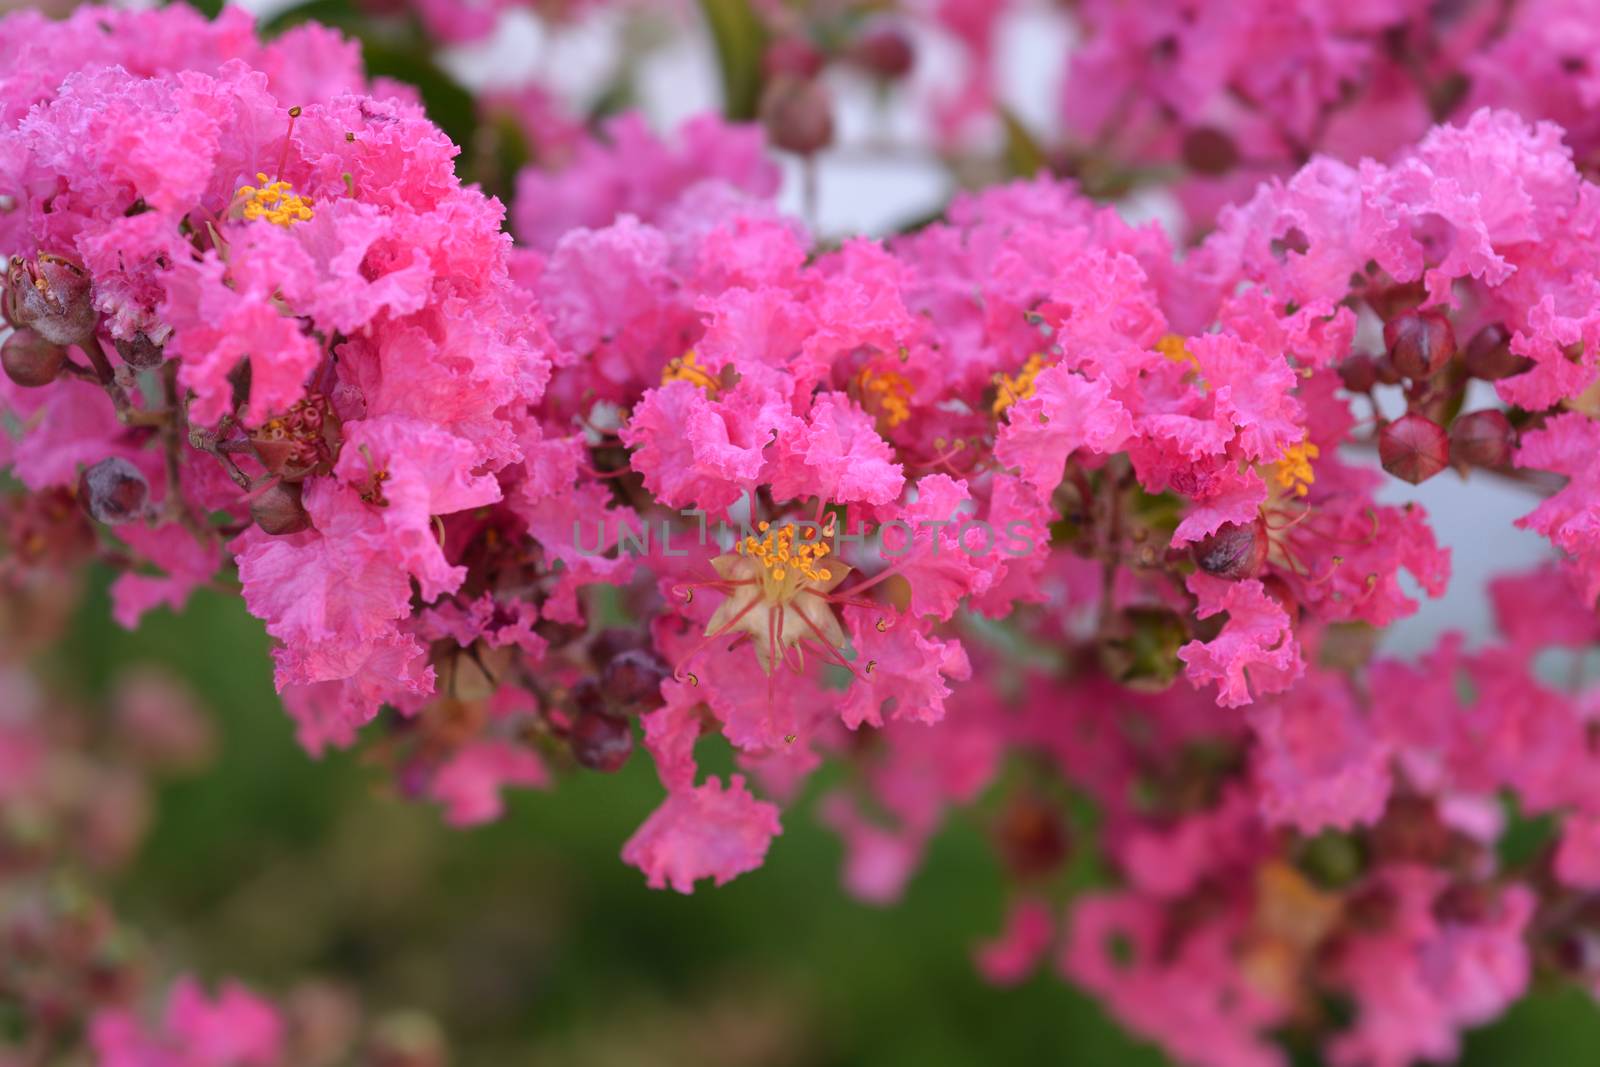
(779, 555)
(687, 368)
(886, 394)
(1012, 388)
(1173, 348)
(275, 201)
(1293, 472)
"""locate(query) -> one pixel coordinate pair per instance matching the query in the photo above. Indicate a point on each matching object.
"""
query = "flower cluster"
(1027, 500)
(1235, 93)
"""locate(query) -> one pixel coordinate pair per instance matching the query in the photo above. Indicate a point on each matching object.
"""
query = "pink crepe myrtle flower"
(703, 832)
(234, 1029)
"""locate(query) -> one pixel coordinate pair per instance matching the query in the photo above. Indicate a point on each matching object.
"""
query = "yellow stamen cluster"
(275, 201)
(780, 556)
(1012, 388)
(886, 394)
(1173, 348)
(1293, 471)
(687, 368)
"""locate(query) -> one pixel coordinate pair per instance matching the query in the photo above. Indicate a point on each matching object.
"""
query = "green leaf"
(740, 40)
(1024, 156)
(209, 8)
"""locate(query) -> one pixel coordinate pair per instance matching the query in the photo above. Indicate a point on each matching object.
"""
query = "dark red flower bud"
(1208, 150)
(139, 351)
(1359, 373)
(1411, 832)
(52, 296)
(613, 641)
(113, 491)
(1465, 902)
(278, 510)
(884, 51)
(1236, 550)
(1482, 439)
(30, 360)
(1413, 448)
(601, 742)
(798, 115)
(793, 57)
(1031, 836)
(1387, 375)
(1489, 355)
(1390, 301)
(633, 677)
(1420, 343)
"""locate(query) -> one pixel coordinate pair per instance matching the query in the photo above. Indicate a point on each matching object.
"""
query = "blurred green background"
(533, 944)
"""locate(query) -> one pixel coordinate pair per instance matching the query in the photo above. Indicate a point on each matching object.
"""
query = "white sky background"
(862, 193)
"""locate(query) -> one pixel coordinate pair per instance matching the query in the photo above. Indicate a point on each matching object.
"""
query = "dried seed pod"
(139, 351)
(52, 296)
(114, 492)
(1235, 550)
(279, 510)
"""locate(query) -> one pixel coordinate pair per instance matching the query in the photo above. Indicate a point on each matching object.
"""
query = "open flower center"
(275, 201)
(764, 579)
(886, 395)
(687, 368)
(786, 567)
(1293, 472)
(1010, 388)
(1171, 346)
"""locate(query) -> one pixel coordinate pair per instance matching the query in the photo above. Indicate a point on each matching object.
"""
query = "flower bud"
(587, 698)
(30, 360)
(1208, 150)
(884, 51)
(793, 57)
(51, 296)
(278, 510)
(601, 742)
(1411, 831)
(1489, 356)
(1387, 375)
(1394, 300)
(1236, 550)
(613, 641)
(1469, 903)
(1359, 373)
(1031, 836)
(798, 115)
(113, 491)
(1413, 448)
(1482, 439)
(633, 677)
(1420, 343)
(139, 351)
